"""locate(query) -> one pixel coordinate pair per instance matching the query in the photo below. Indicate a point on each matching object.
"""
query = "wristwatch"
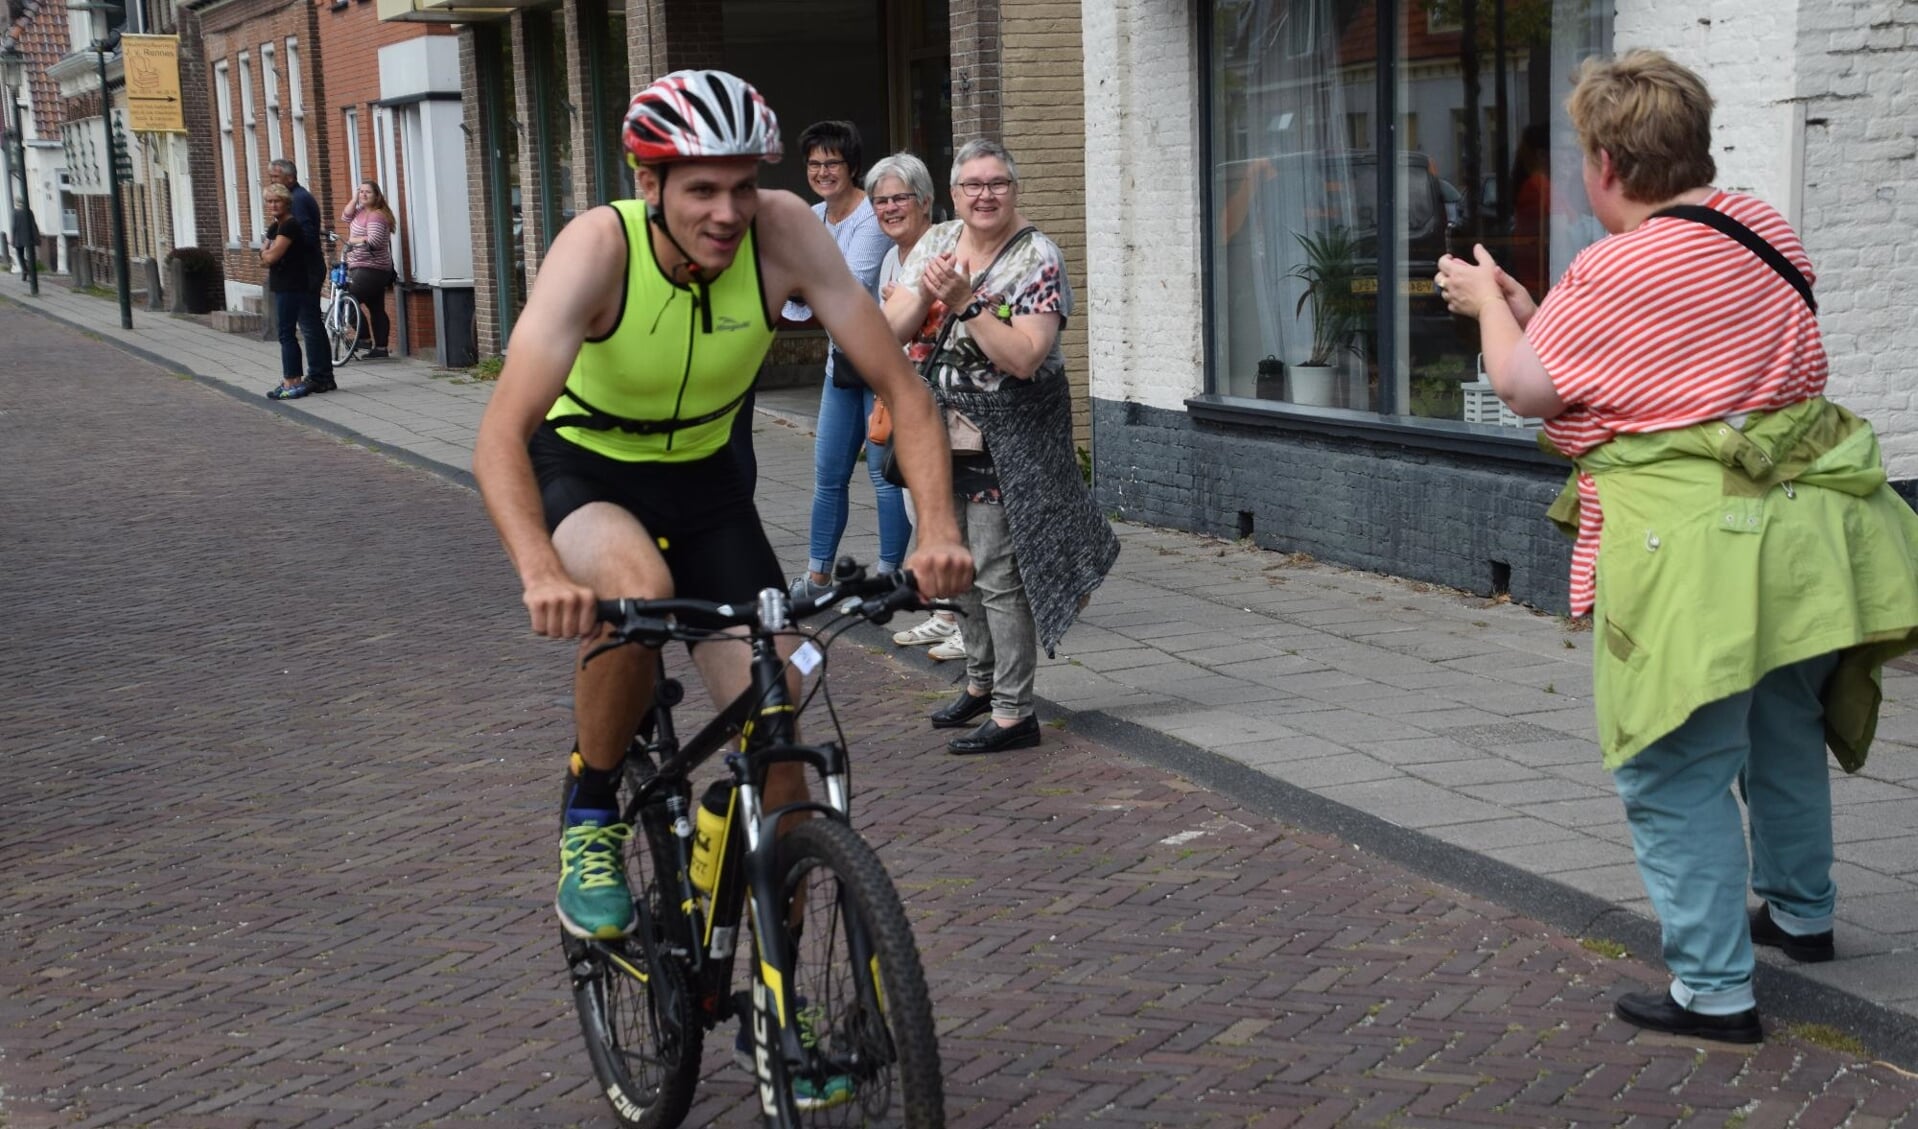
(972, 311)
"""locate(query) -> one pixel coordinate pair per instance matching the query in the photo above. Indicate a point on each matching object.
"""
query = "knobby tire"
(643, 1038)
(892, 1049)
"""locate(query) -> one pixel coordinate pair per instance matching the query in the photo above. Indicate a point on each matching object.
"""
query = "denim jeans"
(1002, 641)
(1770, 741)
(841, 432)
(302, 307)
(287, 307)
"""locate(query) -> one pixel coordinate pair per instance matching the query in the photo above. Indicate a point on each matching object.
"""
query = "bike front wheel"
(343, 328)
(864, 1010)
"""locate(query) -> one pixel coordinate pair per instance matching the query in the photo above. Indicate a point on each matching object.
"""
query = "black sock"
(594, 789)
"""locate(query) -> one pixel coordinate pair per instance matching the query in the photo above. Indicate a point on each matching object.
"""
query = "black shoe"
(1811, 948)
(1662, 1014)
(376, 353)
(958, 713)
(992, 737)
(321, 385)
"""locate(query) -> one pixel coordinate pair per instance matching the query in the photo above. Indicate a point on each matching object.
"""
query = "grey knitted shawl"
(1063, 544)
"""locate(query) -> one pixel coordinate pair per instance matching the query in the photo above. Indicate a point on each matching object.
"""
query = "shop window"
(546, 45)
(603, 39)
(1322, 253)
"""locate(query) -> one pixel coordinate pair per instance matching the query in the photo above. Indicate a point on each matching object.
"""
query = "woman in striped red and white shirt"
(1674, 363)
(369, 257)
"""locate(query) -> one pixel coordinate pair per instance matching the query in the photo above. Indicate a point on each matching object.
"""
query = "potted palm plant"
(1328, 271)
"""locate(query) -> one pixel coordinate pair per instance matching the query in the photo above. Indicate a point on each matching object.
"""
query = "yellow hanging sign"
(153, 83)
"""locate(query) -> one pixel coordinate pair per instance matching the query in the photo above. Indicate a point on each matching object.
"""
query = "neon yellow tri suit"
(647, 414)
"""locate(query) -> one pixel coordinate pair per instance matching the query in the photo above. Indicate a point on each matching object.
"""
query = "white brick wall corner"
(1146, 314)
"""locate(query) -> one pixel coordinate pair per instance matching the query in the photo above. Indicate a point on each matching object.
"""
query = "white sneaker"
(934, 630)
(953, 647)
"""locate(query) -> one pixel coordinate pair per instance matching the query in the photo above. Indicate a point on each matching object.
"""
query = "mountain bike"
(838, 1014)
(345, 321)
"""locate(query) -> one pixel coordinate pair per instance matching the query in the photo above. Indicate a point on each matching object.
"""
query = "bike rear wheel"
(857, 970)
(641, 1034)
(343, 328)
(636, 1007)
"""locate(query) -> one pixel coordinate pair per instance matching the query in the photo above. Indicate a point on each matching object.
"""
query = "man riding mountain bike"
(603, 455)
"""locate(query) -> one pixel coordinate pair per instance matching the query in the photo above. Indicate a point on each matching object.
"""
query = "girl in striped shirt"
(369, 257)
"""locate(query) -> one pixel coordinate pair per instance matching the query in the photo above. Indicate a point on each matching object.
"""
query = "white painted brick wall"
(1146, 317)
(1858, 86)
(1817, 113)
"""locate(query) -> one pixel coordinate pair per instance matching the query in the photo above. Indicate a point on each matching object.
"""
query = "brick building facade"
(263, 101)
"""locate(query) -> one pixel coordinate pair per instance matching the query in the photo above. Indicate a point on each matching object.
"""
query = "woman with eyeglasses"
(834, 163)
(900, 188)
(980, 304)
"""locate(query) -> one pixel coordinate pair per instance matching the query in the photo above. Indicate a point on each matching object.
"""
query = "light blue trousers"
(1690, 843)
(840, 433)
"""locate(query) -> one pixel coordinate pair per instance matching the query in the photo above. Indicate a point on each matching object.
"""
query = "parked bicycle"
(838, 1014)
(345, 320)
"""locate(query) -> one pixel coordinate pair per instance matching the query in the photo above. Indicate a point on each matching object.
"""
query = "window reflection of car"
(1427, 226)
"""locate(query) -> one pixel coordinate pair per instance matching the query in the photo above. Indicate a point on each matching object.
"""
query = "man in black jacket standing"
(306, 210)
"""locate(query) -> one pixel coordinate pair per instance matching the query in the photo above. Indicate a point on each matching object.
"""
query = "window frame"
(296, 103)
(270, 77)
(229, 163)
(250, 128)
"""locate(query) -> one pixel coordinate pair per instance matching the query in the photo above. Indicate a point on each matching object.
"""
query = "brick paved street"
(277, 759)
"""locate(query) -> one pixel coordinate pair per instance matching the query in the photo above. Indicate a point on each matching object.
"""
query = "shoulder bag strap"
(1755, 243)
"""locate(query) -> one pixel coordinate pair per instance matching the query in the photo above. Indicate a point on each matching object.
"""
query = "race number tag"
(807, 657)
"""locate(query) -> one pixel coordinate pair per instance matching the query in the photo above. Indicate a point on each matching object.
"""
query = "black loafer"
(958, 713)
(992, 737)
(1811, 948)
(1662, 1014)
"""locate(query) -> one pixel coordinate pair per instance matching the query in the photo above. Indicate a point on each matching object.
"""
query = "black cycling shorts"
(700, 514)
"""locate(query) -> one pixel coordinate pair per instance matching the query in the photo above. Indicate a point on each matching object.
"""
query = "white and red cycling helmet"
(695, 115)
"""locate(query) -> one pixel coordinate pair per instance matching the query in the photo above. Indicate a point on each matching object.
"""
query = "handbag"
(844, 375)
(962, 434)
(879, 423)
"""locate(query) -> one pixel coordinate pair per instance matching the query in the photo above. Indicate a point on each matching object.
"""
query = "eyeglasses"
(822, 166)
(898, 201)
(977, 188)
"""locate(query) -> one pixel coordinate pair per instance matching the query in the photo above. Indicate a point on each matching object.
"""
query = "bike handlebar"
(653, 623)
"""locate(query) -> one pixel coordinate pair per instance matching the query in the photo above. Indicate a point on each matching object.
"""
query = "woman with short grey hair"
(900, 188)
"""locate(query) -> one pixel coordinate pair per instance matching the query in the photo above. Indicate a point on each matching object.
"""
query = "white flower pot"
(1313, 384)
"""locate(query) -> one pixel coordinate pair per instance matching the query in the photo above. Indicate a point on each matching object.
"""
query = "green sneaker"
(593, 901)
(834, 1089)
(808, 1095)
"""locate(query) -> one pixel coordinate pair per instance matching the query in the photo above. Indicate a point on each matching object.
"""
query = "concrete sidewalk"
(1445, 730)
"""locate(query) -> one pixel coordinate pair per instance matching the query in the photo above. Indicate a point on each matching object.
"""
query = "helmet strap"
(694, 275)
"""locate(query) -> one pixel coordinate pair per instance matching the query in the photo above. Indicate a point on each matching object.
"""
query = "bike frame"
(762, 718)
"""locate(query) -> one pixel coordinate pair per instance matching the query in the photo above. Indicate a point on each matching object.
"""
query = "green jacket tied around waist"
(1727, 553)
